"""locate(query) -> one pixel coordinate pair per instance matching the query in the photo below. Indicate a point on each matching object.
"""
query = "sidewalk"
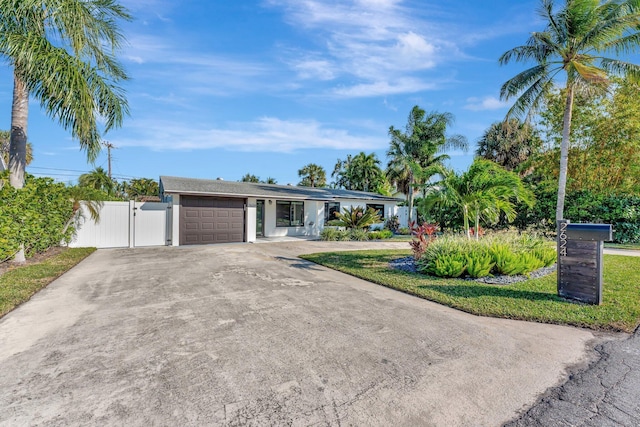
(625, 252)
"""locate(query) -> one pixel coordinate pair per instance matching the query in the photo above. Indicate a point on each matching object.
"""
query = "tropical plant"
(604, 153)
(358, 234)
(380, 234)
(312, 175)
(332, 234)
(58, 48)
(139, 187)
(356, 217)
(83, 200)
(361, 173)
(392, 223)
(423, 235)
(574, 42)
(97, 179)
(365, 173)
(500, 253)
(270, 180)
(479, 262)
(510, 144)
(250, 178)
(484, 191)
(416, 154)
(5, 137)
(341, 173)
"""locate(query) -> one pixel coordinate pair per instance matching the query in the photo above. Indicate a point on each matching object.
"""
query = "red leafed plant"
(423, 235)
(472, 231)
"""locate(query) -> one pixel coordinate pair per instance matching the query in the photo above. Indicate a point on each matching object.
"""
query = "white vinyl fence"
(403, 215)
(125, 225)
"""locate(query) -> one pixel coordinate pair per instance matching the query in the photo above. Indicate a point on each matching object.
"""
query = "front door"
(260, 218)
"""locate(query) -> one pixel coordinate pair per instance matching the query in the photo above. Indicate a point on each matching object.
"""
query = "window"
(289, 214)
(378, 208)
(330, 211)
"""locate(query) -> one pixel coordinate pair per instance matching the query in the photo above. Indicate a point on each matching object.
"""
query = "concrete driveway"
(251, 335)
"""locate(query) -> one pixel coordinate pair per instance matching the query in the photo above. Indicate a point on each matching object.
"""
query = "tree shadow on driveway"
(299, 263)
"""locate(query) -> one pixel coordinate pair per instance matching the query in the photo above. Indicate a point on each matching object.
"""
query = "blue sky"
(222, 88)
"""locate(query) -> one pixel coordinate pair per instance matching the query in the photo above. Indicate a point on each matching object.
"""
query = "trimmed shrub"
(450, 265)
(329, 234)
(34, 216)
(358, 234)
(392, 223)
(547, 255)
(404, 231)
(380, 234)
(479, 262)
(502, 253)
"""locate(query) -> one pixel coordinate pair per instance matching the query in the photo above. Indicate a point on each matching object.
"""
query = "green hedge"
(621, 211)
(33, 216)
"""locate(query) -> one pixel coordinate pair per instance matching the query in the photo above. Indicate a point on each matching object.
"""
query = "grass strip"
(532, 300)
(20, 283)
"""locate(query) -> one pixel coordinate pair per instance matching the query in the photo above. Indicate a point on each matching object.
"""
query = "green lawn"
(19, 284)
(534, 300)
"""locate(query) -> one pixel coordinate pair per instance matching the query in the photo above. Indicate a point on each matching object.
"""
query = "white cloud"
(378, 42)
(315, 69)
(486, 103)
(382, 88)
(267, 134)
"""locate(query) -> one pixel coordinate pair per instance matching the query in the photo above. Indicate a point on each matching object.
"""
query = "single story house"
(205, 211)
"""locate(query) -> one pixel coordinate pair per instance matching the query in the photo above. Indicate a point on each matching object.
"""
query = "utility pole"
(109, 147)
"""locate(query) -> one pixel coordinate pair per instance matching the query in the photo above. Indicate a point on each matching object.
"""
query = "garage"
(206, 220)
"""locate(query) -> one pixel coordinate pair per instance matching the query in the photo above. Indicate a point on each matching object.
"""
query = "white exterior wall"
(175, 226)
(311, 226)
(403, 215)
(250, 219)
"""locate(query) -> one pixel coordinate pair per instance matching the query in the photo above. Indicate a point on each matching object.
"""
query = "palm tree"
(142, 187)
(341, 173)
(417, 154)
(58, 48)
(250, 178)
(365, 173)
(312, 176)
(510, 144)
(483, 192)
(573, 44)
(270, 180)
(97, 179)
(87, 198)
(5, 137)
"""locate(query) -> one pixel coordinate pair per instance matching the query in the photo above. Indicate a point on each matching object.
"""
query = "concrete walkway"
(625, 252)
(246, 334)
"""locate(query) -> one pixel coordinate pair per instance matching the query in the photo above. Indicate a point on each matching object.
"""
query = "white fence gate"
(125, 225)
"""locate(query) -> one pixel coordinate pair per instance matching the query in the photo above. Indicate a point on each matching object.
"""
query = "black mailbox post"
(580, 254)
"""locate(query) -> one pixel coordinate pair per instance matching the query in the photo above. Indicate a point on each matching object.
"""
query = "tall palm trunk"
(410, 196)
(18, 140)
(465, 220)
(18, 143)
(564, 153)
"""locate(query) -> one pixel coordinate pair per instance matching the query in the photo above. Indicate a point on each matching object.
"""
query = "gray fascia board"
(244, 196)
